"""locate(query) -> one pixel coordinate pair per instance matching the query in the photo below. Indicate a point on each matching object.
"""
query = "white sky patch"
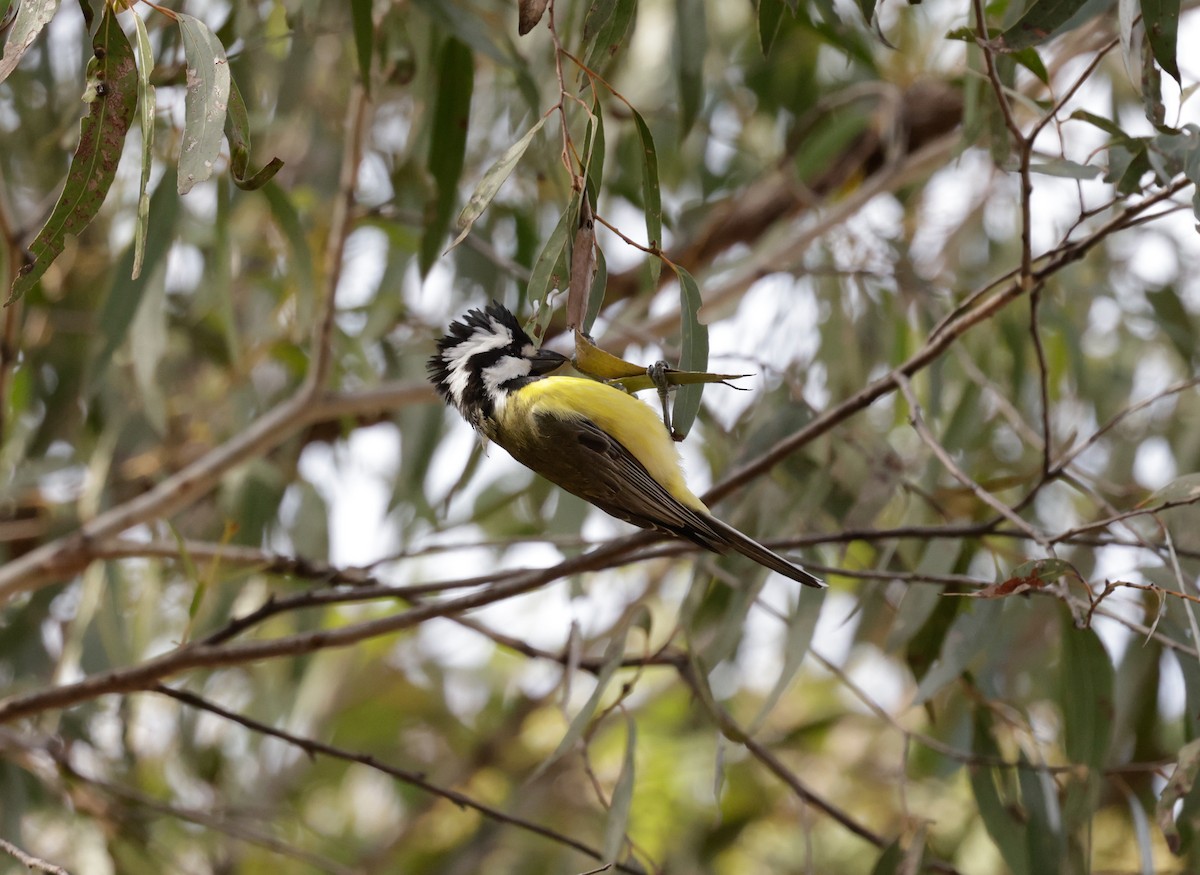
(362, 268)
(1172, 695)
(352, 479)
(1154, 465)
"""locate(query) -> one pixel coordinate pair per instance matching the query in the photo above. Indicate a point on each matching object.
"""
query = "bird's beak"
(546, 361)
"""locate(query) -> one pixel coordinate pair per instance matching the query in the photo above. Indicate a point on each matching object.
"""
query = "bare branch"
(312, 747)
(29, 861)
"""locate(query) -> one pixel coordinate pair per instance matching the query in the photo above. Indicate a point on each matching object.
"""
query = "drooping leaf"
(770, 14)
(288, 220)
(801, 624)
(616, 824)
(32, 16)
(542, 277)
(447, 143)
(205, 103)
(237, 132)
(529, 13)
(1130, 34)
(1003, 823)
(693, 353)
(1086, 695)
(610, 24)
(1161, 20)
(111, 96)
(1180, 831)
(1039, 803)
(490, 183)
(364, 39)
(1039, 21)
(1174, 321)
(691, 44)
(146, 102)
(971, 632)
(583, 266)
(651, 193)
(614, 654)
(125, 294)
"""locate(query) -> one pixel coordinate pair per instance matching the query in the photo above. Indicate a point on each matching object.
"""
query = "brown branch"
(203, 655)
(68, 554)
(312, 747)
(942, 337)
(29, 861)
(335, 245)
(918, 423)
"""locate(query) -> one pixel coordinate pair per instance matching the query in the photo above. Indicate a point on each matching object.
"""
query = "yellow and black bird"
(594, 440)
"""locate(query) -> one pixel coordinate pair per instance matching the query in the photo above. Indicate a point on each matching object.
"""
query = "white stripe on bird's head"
(458, 357)
(511, 367)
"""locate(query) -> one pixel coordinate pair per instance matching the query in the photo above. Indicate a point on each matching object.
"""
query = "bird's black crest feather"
(474, 321)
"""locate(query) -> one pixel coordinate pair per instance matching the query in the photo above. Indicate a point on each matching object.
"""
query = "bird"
(590, 438)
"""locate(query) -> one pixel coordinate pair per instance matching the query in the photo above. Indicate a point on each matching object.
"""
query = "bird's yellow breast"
(630, 421)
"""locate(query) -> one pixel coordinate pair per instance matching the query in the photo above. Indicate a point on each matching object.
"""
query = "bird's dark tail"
(767, 558)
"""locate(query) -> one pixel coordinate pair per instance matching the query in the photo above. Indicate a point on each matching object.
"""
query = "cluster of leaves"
(955, 422)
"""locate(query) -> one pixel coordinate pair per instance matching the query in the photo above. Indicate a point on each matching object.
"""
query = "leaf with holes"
(32, 16)
(206, 101)
(111, 96)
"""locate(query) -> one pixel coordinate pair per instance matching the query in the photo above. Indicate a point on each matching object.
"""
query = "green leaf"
(125, 295)
(596, 296)
(489, 185)
(770, 14)
(1004, 827)
(237, 132)
(598, 14)
(205, 103)
(1174, 321)
(111, 96)
(542, 277)
(651, 193)
(1180, 832)
(455, 82)
(1039, 21)
(1161, 20)
(614, 655)
(693, 354)
(691, 44)
(1086, 694)
(146, 102)
(31, 18)
(800, 627)
(616, 824)
(890, 860)
(288, 220)
(611, 27)
(972, 631)
(1106, 125)
(867, 8)
(1180, 490)
(364, 38)
(1131, 40)
(1039, 802)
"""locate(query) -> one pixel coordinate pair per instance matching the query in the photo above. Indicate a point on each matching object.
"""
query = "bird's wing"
(587, 461)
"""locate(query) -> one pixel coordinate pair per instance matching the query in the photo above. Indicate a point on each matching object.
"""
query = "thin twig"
(29, 861)
(312, 747)
(201, 654)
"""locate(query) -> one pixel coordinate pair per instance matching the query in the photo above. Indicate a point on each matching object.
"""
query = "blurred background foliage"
(960, 390)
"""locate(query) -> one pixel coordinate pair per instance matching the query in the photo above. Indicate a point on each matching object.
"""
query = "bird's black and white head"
(485, 356)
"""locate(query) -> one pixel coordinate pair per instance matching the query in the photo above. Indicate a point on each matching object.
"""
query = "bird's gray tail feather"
(752, 549)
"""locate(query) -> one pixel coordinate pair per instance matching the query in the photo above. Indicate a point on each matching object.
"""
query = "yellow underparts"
(630, 421)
